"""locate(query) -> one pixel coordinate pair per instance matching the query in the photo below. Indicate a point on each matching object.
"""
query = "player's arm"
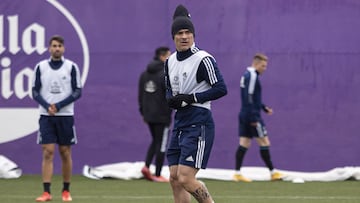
(169, 93)
(76, 88)
(140, 92)
(249, 97)
(209, 72)
(266, 109)
(36, 89)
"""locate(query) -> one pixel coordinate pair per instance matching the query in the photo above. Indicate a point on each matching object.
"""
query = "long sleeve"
(36, 89)
(76, 88)
(209, 72)
(169, 93)
(140, 93)
(250, 96)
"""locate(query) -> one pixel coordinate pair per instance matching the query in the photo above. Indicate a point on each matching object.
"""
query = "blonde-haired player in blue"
(251, 125)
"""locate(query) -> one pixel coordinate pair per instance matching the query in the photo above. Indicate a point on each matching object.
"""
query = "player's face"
(183, 39)
(56, 50)
(261, 66)
(165, 56)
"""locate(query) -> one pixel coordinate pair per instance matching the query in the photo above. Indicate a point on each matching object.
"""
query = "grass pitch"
(28, 187)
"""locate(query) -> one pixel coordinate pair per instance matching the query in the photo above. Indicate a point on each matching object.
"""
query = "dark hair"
(57, 38)
(160, 51)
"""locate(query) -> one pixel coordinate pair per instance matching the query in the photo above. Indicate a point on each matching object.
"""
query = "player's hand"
(52, 110)
(268, 110)
(254, 124)
(180, 100)
(187, 98)
(174, 103)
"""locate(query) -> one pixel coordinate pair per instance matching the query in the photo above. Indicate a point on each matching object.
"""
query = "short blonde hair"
(260, 57)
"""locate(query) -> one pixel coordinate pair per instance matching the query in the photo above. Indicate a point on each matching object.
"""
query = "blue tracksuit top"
(251, 103)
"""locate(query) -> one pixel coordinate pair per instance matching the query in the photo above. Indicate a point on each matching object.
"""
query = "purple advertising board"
(311, 81)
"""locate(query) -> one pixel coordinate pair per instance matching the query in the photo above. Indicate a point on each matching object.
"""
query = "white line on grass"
(215, 197)
(288, 197)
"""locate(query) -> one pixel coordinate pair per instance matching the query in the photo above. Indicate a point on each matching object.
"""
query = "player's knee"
(65, 155)
(263, 141)
(173, 178)
(48, 155)
(184, 180)
(245, 142)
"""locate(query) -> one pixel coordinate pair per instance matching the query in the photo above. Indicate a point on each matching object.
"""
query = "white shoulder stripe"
(194, 49)
(211, 71)
(252, 82)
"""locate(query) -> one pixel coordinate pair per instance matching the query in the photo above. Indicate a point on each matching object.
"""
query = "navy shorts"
(249, 131)
(191, 146)
(56, 130)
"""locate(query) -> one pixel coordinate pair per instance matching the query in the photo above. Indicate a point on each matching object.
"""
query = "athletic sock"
(66, 186)
(47, 187)
(240, 153)
(265, 155)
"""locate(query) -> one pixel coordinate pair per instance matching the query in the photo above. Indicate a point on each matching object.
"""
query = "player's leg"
(264, 144)
(197, 189)
(150, 153)
(196, 144)
(47, 139)
(66, 163)
(263, 141)
(47, 171)
(161, 135)
(152, 147)
(179, 192)
(244, 144)
(66, 166)
(173, 156)
(47, 164)
(67, 137)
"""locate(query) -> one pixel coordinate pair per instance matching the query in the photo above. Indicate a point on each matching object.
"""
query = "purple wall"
(311, 80)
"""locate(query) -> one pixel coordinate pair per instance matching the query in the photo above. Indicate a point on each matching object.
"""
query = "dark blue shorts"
(247, 130)
(57, 129)
(191, 146)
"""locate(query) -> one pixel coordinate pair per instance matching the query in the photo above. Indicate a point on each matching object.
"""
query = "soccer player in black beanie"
(193, 80)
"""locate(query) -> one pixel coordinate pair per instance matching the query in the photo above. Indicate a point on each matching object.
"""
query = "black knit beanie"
(181, 20)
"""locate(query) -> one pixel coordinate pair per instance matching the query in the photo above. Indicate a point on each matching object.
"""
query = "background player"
(56, 87)
(251, 125)
(155, 112)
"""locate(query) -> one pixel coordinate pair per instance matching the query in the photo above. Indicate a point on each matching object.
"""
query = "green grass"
(26, 188)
